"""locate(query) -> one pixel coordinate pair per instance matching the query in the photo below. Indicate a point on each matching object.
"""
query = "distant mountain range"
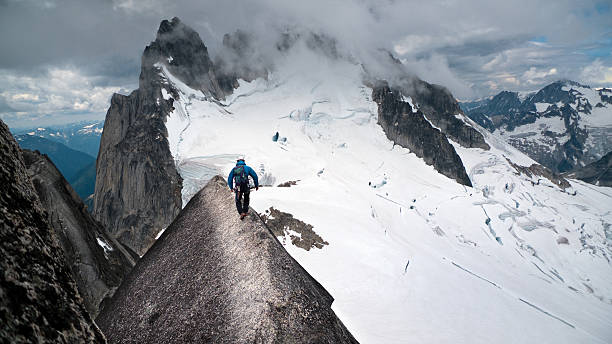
(77, 167)
(80, 136)
(73, 148)
(598, 172)
(563, 126)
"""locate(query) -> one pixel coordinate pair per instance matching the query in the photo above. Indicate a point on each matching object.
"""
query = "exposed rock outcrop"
(39, 301)
(435, 102)
(285, 225)
(212, 278)
(410, 129)
(597, 173)
(97, 261)
(180, 49)
(536, 170)
(440, 107)
(138, 189)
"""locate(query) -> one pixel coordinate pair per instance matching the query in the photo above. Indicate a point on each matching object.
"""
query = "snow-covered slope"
(413, 256)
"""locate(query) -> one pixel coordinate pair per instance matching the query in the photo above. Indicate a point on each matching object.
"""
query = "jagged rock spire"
(180, 49)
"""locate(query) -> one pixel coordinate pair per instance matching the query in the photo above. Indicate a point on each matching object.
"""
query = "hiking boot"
(242, 216)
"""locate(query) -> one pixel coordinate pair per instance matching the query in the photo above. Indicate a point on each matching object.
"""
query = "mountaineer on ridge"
(240, 173)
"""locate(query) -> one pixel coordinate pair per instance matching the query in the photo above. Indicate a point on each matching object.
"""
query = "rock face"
(440, 107)
(409, 128)
(97, 261)
(181, 50)
(212, 278)
(39, 301)
(597, 173)
(563, 126)
(536, 170)
(138, 190)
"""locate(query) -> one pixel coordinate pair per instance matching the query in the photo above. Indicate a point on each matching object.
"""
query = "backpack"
(240, 176)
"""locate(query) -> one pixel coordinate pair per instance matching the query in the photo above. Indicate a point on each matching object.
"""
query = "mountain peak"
(175, 28)
(180, 49)
(562, 125)
(169, 25)
(568, 82)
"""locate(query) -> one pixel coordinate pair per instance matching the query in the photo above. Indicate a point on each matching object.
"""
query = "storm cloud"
(70, 56)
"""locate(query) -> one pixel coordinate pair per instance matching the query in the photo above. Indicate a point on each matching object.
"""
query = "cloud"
(64, 92)
(140, 6)
(473, 47)
(492, 85)
(435, 69)
(597, 73)
(28, 97)
(4, 107)
(534, 77)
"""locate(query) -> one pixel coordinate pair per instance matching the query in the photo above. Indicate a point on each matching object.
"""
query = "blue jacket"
(249, 171)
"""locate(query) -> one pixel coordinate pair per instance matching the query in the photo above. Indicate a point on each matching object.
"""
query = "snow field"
(412, 257)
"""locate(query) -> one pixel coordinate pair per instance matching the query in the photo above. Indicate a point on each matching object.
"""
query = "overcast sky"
(61, 61)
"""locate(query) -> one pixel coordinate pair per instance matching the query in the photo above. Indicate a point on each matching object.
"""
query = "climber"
(240, 173)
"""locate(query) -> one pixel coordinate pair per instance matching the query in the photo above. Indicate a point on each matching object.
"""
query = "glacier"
(413, 256)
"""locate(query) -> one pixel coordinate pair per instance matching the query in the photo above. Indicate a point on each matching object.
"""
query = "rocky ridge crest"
(213, 278)
(97, 261)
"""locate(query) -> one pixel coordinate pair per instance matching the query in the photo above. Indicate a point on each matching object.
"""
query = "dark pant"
(242, 199)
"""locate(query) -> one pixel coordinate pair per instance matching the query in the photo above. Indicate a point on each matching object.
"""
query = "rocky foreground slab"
(212, 278)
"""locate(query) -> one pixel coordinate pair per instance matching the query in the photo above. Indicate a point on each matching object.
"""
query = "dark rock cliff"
(180, 49)
(212, 278)
(441, 108)
(39, 301)
(410, 129)
(435, 102)
(597, 173)
(138, 189)
(97, 261)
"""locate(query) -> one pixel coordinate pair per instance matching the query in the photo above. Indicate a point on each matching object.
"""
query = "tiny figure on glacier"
(238, 182)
